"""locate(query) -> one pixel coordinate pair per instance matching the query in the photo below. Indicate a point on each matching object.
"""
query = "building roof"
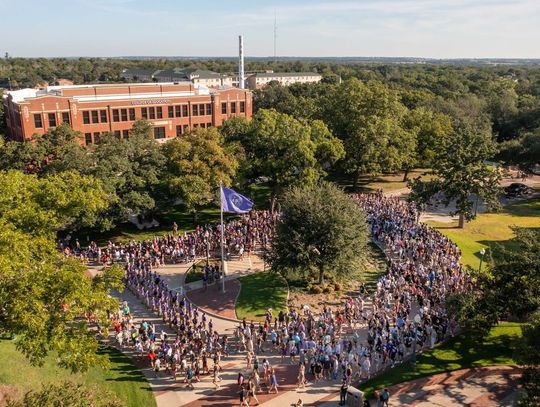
(21, 95)
(284, 74)
(187, 73)
(137, 72)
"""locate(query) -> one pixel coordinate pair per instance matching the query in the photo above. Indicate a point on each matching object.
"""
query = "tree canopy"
(45, 297)
(196, 165)
(289, 151)
(460, 169)
(321, 230)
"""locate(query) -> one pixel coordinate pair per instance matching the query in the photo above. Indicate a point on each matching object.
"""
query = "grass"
(386, 182)
(490, 229)
(377, 266)
(122, 378)
(458, 353)
(259, 292)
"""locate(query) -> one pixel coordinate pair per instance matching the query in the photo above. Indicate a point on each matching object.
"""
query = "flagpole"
(222, 239)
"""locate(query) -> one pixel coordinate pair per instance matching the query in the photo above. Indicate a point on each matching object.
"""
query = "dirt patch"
(8, 392)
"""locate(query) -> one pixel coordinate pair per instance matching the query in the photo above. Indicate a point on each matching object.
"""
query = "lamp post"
(482, 252)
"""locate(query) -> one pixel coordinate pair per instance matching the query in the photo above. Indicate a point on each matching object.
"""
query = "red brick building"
(172, 108)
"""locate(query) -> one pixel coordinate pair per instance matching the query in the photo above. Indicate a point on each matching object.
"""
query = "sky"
(376, 28)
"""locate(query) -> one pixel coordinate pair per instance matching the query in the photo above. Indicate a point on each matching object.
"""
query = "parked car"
(517, 189)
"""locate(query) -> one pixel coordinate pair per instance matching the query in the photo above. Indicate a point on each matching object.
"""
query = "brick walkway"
(216, 302)
(480, 387)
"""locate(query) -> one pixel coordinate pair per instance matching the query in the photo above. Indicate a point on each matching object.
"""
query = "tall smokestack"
(241, 62)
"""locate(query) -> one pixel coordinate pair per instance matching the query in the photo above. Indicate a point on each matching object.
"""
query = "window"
(201, 110)
(152, 112)
(170, 111)
(132, 114)
(233, 107)
(195, 110)
(185, 128)
(52, 120)
(125, 133)
(159, 112)
(242, 107)
(103, 114)
(178, 131)
(124, 115)
(159, 132)
(115, 115)
(196, 125)
(95, 118)
(144, 112)
(86, 117)
(209, 108)
(38, 124)
(185, 112)
(65, 117)
(223, 108)
(88, 138)
(209, 124)
(177, 112)
(96, 137)
(117, 134)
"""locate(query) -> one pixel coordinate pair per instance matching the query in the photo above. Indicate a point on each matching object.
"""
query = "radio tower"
(275, 34)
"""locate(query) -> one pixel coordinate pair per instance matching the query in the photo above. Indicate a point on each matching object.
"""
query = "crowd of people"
(242, 237)
(368, 332)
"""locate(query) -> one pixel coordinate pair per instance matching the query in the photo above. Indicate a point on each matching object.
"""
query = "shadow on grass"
(261, 291)
(125, 370)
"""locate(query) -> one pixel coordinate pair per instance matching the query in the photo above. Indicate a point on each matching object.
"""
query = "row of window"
(159, 133)
(51, 117)
(242, 107)
(153, 112)
(90, 138)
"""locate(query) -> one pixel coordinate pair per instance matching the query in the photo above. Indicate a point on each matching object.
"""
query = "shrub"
(338, 286)
(328, 289)
(316, 289)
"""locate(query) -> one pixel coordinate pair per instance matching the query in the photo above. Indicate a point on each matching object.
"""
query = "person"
(299, 403)
(216, 377)
(385, 397)
(273, 381)
(251, 391)
(302, 377)
(189, 377)
(343, 393)
(243, 396)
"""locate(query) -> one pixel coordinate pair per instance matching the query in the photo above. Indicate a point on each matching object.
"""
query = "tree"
(290, 152)
(510, 289)
(528, 355)
(460, 170)
(45, 297)
(42, 206)
(321, 230)
(196, 165)
(523, 152)
(131, 171)
(369, 119)
(429, 127)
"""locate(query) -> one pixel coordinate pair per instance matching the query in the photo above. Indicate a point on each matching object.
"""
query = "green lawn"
(490, 229)
(376, 268)
(259, 292)
(386, 182)
(458, 353)
(122, 378)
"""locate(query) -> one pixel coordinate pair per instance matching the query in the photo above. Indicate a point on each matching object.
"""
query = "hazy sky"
(421, 28)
